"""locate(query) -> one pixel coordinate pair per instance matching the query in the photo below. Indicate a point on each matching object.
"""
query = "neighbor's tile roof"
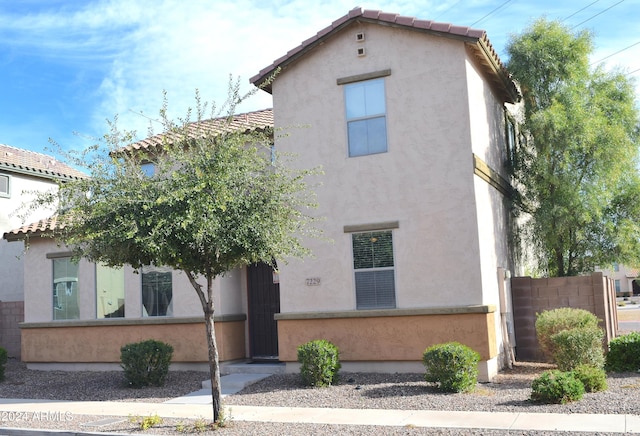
(33, 229)
(257, 120)
(28, 162)
(476, 38)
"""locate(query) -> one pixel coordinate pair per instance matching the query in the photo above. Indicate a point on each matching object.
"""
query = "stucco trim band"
(454, 310)
(365, 76)
(59, 254)
(129, 321)
(491, 176)
(102, 343)
(371, 227)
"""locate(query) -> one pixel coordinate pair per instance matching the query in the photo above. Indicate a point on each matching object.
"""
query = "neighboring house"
(409, 120)
(22, 173)
(624, 279)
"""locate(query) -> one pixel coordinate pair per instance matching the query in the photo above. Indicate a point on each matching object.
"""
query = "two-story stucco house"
(410, 122)
(408, 119)
(22, 172)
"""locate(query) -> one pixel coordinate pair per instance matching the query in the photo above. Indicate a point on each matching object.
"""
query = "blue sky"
(68, 66)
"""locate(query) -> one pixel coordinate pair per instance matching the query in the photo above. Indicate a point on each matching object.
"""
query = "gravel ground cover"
(509, 393)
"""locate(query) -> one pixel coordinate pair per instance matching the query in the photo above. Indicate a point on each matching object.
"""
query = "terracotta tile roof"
(33, 229)
(28, 162)
(260, 120)
(477, 39)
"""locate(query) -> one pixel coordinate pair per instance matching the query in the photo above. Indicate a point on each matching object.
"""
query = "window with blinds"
(374, 270)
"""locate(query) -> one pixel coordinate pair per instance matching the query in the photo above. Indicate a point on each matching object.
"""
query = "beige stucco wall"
(91, 340)
(11, 264)
(424, 181)
(229, 296)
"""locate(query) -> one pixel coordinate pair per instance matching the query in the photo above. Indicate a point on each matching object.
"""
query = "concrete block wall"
(11, 315)
(595, 293)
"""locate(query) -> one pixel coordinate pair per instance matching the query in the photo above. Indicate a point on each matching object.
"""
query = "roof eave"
(36, 172)
(474, 37)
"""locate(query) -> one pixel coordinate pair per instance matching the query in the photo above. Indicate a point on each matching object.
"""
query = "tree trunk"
(214, 368)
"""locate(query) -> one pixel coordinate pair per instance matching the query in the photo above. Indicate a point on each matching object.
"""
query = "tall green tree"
(577, 171)
(219, 199)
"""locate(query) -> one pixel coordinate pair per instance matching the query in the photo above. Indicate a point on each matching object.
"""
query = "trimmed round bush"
(557, 387)
(550, 322)
(146, 363)
(578, 346)
(320, 363)
(3, 360)
(593, 379)
(624, 353)
(452, 366)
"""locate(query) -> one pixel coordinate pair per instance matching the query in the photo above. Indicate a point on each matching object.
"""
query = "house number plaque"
(313, 281)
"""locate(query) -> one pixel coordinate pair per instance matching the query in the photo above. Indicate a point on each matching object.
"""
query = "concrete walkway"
(376, 417)
(198, 405)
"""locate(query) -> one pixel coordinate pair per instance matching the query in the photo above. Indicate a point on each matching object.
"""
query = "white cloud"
(142, 47)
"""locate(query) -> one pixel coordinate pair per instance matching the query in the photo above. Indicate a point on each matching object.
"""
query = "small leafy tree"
(219, 199)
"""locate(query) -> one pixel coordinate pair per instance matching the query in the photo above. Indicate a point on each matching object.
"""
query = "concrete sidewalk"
(415, 418)
(198, 405)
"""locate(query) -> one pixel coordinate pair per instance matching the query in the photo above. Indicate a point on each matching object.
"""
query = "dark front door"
(264, 303)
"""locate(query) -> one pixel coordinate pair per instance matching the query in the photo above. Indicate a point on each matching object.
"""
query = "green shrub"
(453, 366)
(624, 353)
(593, 379)
(3, 361)
(146, 363)
(550, 322)
(320, 363)
(577, 346)
(556, 387)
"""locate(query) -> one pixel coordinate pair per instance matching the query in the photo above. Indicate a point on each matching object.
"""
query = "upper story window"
(366, 117)
(374, 270)
(65, 289)
(148, 168)
(5, 185)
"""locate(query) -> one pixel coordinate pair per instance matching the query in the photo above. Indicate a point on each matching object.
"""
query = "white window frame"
(7, 193)
(360, 305)
(358, 81)
(69, 287)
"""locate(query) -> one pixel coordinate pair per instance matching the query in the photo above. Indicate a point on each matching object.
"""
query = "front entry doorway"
(264, 303)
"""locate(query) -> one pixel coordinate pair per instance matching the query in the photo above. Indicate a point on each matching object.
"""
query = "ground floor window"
(65, 289)
(109, 292)
(374, 270)
(157, 291)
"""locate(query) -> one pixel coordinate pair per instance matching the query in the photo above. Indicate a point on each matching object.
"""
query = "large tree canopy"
(219, 198)
(577, 170)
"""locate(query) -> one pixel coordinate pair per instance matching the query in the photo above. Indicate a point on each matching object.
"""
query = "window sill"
(373, 313)
(129, 321)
